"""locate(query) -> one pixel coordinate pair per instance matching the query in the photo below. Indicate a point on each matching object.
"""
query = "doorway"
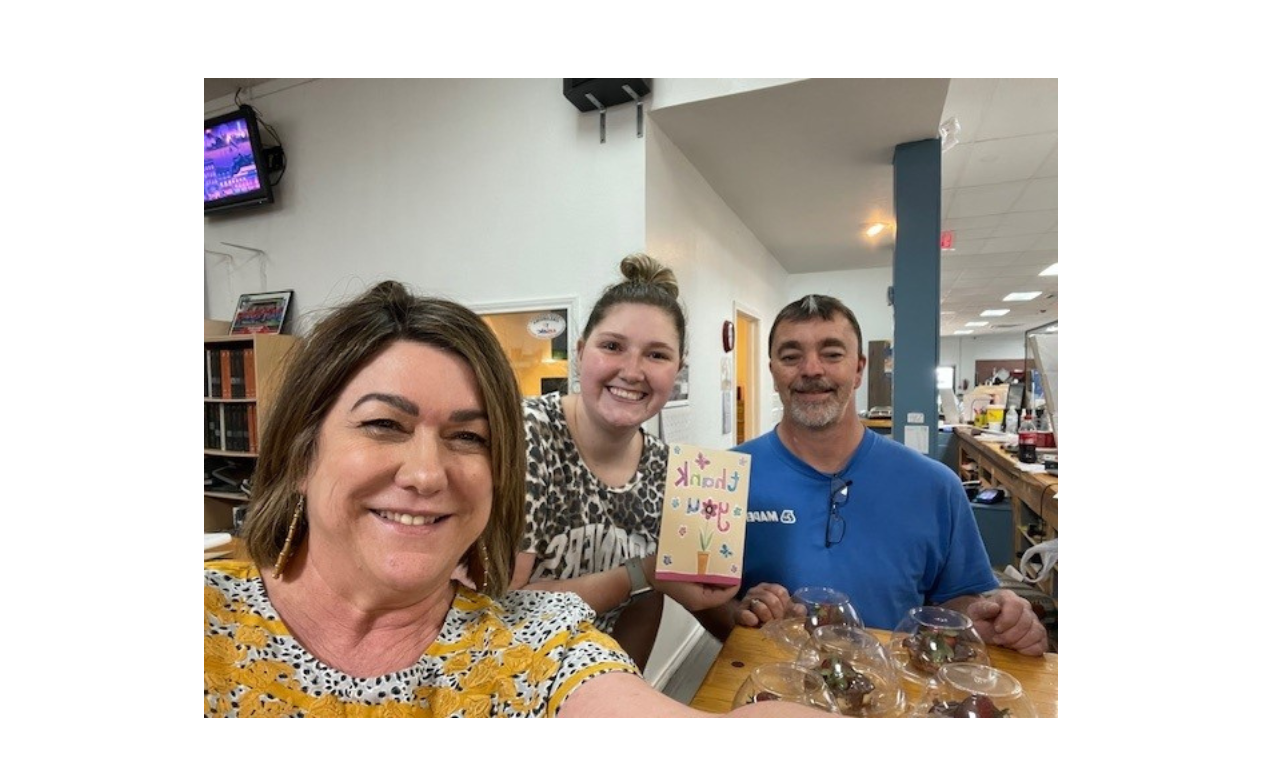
(746, 350)
(538, 338)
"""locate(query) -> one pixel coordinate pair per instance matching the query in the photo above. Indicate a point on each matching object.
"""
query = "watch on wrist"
(639, 582)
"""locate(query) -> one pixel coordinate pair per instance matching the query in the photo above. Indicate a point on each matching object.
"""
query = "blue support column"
(917, 291)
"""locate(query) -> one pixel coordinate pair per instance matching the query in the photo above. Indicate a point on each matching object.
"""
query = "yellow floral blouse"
(518, 657)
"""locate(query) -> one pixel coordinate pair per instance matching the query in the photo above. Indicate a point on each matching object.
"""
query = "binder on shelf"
(252, 426)
(214, 426)
(214, 372)
(237, 384)
(251, 389)
(225, 369)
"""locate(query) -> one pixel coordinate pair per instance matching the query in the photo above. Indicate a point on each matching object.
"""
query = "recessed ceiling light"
(874, 229)
(1050, 270)
(995, 312)
(976, 324)
(1022, 296)
(961, 333)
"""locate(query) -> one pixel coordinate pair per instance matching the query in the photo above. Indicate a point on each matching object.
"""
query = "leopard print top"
(517, 657)
(575, 523)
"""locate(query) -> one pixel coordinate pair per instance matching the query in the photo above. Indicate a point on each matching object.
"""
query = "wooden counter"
(1033, 494)
(996, 467)
(748, 647)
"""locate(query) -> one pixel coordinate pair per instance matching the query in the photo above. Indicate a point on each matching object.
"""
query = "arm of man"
(623, 695)
(1004, 619)
(761, 604)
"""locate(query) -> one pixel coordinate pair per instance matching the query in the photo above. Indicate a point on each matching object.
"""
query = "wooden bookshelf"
(240, 380)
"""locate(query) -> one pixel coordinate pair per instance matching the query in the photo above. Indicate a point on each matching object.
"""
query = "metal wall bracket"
(639, 110)
(598, 105)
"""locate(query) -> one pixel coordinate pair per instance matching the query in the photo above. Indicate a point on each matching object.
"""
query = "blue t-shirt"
(910, 535)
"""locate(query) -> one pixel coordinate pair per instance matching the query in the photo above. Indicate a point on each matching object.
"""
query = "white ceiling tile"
(1039, 195)
(975, 234)
(1008, 244)
(968, 101)
(1020, 107)
(1049, 166)
(968, 223)
(954, 161)
(1006, 159)
(990, 199)
(1046, 242)
(1023, 222)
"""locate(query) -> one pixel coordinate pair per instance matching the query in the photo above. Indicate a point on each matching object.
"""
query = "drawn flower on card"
(702, 461)
(725, 551)
(674, 503)
(709, 509)
(683, 531)
(666, 560)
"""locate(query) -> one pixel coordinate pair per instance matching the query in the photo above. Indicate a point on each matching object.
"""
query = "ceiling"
(807, 165)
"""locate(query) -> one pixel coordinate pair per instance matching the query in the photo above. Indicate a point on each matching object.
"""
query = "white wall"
(719, 263)
(865, 292)
(963, 352)
(481, 190)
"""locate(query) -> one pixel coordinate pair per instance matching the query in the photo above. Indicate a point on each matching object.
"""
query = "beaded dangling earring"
(286, 550)
(486, 563)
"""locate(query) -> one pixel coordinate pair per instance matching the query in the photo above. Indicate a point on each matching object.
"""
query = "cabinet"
(239, 383)
(1031, 495)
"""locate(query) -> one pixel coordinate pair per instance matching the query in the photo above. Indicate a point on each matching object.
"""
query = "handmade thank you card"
(703, 519)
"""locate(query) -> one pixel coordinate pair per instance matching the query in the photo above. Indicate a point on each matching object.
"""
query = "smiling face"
(628, 365)
(816, 367)
(400, 485)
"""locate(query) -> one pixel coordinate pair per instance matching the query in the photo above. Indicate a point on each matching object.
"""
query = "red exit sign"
(948, 240)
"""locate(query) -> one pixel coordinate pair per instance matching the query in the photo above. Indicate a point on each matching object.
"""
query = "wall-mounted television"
(236, 164)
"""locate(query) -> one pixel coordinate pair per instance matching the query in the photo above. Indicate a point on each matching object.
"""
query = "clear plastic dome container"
(928, 638)
(857, 669)
(967, 690)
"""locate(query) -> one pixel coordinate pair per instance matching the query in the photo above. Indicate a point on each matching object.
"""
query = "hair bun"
(639, 267)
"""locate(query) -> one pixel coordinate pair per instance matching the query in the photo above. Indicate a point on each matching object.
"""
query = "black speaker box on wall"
(607, 92)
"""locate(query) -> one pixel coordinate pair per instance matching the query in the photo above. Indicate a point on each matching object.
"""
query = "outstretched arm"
(623, 695)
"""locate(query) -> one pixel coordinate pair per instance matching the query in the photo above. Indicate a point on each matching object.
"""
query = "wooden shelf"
(226, 496)
(257, 363)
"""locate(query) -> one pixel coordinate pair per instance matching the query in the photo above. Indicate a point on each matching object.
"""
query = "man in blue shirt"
(832, 503)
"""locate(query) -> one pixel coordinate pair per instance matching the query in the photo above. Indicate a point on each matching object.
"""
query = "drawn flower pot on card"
(703, 555)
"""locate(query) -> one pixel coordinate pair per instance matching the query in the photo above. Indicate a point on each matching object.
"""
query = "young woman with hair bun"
(595, 480)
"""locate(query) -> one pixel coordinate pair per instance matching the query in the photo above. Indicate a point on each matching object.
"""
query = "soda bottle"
(1027, 440)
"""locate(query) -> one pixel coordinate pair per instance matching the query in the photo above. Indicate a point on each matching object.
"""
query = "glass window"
(537, 343)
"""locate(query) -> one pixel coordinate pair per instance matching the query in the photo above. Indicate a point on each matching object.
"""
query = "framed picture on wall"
(261, 313)
(679, 393)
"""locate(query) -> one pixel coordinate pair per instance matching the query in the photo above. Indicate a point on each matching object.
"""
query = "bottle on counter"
(1027, 440)
(1011, 420)
(1044, 427)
